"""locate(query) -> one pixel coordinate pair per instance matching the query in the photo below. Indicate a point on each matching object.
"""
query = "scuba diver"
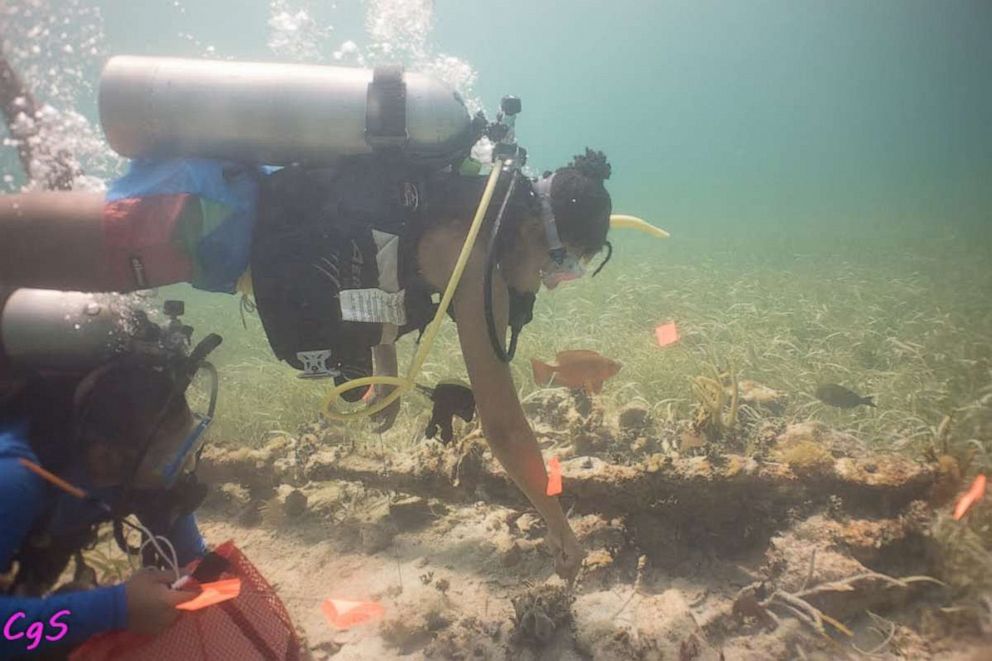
(372, 216)
(95, 426)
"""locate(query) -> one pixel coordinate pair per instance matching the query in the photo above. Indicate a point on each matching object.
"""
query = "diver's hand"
(567, 553)
(151, 604)
(387, 416)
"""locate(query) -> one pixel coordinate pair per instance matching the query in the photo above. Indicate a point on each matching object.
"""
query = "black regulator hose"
(487, 287)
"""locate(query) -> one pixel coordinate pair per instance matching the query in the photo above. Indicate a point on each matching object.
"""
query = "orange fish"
(577, 368)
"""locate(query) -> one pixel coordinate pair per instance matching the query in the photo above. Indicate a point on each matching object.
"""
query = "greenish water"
(825, 170)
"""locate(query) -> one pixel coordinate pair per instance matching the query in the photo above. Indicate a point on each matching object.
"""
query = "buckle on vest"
(315, 364)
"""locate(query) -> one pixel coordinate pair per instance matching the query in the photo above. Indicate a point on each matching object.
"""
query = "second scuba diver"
(94, 427)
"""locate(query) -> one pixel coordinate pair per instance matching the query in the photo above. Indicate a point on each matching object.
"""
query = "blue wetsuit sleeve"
(71, 617)
(90, 612)
(21, 496)
(186, 537)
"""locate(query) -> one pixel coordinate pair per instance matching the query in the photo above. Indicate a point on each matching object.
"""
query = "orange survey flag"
(342, 614)
(554, 477)
(667, 334)
(974, 494)
(213, 593)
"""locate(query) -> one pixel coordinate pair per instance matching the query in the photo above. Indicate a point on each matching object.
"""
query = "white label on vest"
(373, 305)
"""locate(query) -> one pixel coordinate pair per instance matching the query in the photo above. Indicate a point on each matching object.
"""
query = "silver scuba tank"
(276, 113)
(60, 330)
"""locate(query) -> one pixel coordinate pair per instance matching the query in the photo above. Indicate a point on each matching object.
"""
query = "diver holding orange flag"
(348, 241)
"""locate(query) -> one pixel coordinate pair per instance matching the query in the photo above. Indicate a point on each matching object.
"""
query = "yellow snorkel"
(619, 221)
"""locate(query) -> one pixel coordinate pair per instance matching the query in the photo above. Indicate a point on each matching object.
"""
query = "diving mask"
(561, 266)
(171, 460)
(181, 458)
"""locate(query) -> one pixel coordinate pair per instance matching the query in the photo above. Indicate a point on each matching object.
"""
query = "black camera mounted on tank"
(170, 344)
(503, 132)
(149, 339)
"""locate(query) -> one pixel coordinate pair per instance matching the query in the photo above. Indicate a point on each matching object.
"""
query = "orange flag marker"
(343, 614)
(554, 477)
(974, 494)
(213, 593)
(667, 333)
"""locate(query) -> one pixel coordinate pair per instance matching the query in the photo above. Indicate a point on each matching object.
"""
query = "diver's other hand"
(387, 416)
(151, 604)
(567, 553)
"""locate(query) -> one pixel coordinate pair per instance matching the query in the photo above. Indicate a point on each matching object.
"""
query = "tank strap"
(385, 115)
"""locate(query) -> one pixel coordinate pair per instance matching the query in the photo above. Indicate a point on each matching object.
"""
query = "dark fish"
(450, 398)
(841, 397)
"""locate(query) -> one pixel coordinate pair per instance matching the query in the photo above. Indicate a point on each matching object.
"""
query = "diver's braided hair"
(592, 164)
(581, 204)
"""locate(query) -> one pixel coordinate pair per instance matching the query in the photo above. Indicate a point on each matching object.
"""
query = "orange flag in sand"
(554, 477)
(342, 614)
(213, 593)
(667, 334)
(974, 494)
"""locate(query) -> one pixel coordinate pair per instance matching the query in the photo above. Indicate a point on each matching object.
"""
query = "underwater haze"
(715, 114)
(825, 170)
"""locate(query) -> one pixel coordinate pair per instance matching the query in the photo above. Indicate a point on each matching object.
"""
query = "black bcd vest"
(350, 228)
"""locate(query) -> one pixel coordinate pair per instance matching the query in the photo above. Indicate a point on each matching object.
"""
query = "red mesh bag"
(253, 625)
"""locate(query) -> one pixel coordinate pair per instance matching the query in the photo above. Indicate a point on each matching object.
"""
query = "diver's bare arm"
(503, 420)
(53, 241)
(47, 240)
(44, 163)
